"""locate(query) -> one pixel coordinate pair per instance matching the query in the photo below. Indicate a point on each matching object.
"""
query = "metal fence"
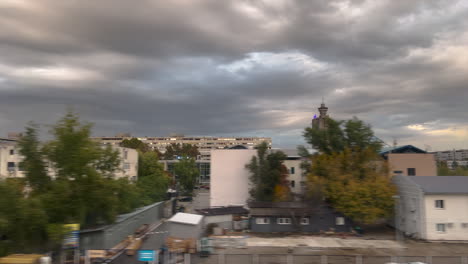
(321, 259)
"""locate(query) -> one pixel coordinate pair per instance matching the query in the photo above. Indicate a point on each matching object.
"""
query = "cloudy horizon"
(238, 68)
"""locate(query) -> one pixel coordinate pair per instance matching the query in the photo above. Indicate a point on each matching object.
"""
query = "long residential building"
(451, 155)
(10, 160)
(204, 144)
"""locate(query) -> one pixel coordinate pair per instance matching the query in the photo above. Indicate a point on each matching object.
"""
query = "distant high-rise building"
(321, 122)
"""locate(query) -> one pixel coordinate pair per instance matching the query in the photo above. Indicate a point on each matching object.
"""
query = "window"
(126, 166)
(304, 221)
(11, 166)
(283, 221)
(125, 154)
(464, 225)
(293, 183)
(439, 204)
(293, 170)
(340, 220)
(411, 172)
(440, 228)
(12, 152)
(262, 220)
(398, 172)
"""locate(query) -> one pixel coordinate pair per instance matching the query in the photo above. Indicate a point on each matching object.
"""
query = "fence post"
(221, 258)
(289, 259)
(187, 258)
(255, 259)
(358, 259)
(324, 259)
(464, 260)
(429, 259)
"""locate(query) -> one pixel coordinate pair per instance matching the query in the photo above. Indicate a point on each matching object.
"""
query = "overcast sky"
(240, 68)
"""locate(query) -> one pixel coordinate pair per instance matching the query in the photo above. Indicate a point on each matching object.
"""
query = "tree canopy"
(187, 173)
(76, 186)
(135, 143)
(348, 171)
(181, 150)
(268, 176)
(352, 134)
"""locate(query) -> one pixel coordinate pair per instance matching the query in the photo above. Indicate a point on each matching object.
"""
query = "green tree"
(33, 163)
(354, 134)
(181, 150)
(135, 143)
(266, 174)
(186, 173)
(153, 181)
(354, 179)
(84, 190)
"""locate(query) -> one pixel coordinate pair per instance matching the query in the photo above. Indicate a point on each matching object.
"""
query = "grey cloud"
(157, 65)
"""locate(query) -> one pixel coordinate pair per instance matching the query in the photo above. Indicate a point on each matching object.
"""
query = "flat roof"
(441, 184)
(184, 218)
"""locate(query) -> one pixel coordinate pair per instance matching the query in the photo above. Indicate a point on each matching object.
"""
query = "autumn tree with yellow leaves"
(353, 179)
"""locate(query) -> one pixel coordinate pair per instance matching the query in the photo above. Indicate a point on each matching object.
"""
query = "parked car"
(186, 199)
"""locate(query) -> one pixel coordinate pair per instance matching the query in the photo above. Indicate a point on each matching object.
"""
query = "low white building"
(432, 207)
(10, 160)
(183, 225)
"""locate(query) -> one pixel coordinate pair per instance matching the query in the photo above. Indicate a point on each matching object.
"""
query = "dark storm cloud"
(234, 67)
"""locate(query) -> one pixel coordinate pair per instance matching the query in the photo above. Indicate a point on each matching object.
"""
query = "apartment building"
(451, 155)
(204, 144)
(432, 207)
(10, 160)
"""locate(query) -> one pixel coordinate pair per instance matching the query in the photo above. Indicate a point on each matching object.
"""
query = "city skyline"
(238, 68)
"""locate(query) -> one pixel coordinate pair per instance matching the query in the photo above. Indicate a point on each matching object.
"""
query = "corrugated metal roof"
(441, 184)
(184, 218)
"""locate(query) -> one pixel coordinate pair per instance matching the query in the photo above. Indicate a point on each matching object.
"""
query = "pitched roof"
(184, 218)
(441, 184)
(402, 149)
(223, 210)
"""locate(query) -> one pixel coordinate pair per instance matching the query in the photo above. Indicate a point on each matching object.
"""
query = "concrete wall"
(109, 236)
(455, 213)
(424, 164)
(410, 208)
(229, 177)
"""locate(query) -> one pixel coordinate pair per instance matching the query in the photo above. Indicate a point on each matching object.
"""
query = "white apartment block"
(204, 144)
(10, 160)
(457, 155)
(432, 208)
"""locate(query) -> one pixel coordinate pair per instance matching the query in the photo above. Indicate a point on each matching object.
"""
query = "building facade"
(451, 155)
(203, 166)
(204, 144)
(409, 160)
(230, 181)
(229, 177)
(10, 160)
(433, 207)
(296, 217)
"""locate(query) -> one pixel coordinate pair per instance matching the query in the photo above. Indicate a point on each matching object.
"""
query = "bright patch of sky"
(290, 61)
